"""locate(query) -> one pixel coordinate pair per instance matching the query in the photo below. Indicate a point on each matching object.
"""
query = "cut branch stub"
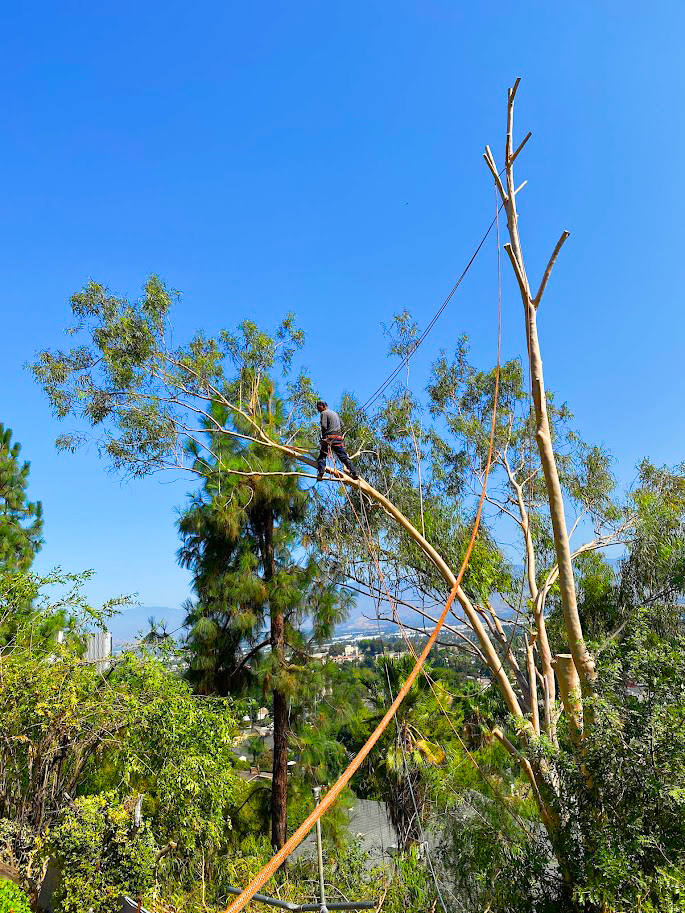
(520, 147)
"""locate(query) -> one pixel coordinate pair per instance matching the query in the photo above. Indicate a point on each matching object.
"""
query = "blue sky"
(326, 158)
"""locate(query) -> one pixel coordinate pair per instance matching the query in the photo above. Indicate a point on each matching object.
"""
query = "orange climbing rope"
(279, 858)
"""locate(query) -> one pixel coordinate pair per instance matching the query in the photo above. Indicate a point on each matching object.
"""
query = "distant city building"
(99, 649)
(262, 713)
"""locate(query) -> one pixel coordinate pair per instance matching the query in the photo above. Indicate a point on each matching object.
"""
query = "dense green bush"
(12, 898)
(135, 730)
(101, 855)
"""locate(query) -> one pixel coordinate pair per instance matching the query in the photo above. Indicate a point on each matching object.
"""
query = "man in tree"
(332, 441)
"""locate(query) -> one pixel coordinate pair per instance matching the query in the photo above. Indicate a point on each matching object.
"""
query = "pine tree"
(255, 584)
(21, 520)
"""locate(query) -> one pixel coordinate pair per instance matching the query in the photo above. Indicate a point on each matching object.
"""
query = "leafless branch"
(520, 147)
(550, 267)
(520, 278)
(490, 161)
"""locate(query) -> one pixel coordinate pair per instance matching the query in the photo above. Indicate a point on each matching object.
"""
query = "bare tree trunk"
(569, 691)
(538, 608)
(279, 785)
(581, 657)
(533, 683)
(279, 782)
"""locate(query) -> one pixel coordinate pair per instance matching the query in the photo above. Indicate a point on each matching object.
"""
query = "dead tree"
(582, 659)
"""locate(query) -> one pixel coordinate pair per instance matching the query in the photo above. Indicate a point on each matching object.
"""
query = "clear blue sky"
(326, 158)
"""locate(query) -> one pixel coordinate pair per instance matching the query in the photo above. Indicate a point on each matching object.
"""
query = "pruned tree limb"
(515, 155)
(520, 277)
(490, 161)
(550, 267)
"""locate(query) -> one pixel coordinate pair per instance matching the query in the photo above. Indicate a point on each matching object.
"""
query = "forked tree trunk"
(581, 657)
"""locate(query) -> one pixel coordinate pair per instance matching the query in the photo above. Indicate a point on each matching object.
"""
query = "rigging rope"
(279, 858)
(379, 391)
(384, 588)
(366, 530)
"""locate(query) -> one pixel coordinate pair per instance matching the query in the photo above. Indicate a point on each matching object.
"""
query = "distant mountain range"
(133, 622)
(129, 624)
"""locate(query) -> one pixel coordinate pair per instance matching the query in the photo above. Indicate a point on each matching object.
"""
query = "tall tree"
(256, 587)
(581, 667)
(21, 520)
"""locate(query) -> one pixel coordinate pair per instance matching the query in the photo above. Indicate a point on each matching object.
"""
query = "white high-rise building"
(99, 649)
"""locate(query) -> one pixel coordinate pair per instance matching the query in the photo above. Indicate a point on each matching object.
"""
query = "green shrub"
(101, 855)
(12, 898)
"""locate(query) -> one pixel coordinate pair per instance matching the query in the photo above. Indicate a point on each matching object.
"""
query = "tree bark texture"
(569, 691)
(279, 782)
(279, 785)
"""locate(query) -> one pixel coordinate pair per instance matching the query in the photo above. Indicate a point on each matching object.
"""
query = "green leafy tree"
(21, 520)
(620, 846)
(406, 751)
(240, 536)
(69, 729)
